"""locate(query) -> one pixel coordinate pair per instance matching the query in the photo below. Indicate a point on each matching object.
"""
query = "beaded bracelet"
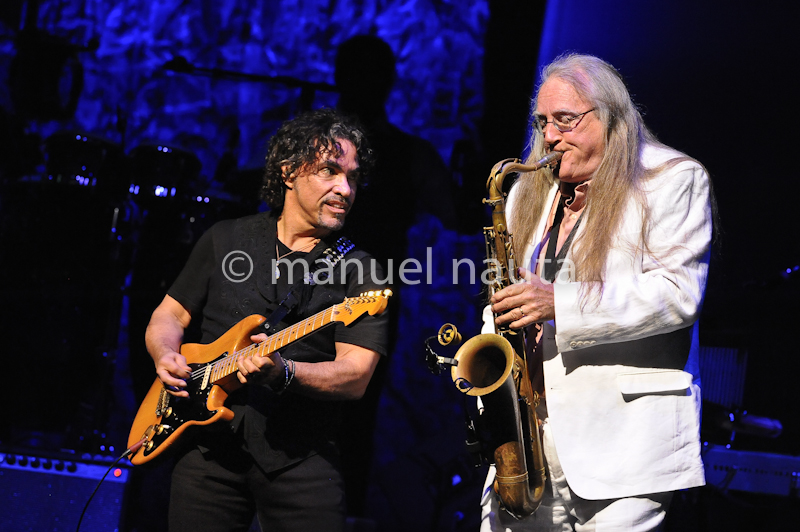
(289, 375)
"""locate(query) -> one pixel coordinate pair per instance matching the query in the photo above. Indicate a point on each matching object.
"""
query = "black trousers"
(221, 491)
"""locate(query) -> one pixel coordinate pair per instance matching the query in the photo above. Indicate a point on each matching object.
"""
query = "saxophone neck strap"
(553, 262)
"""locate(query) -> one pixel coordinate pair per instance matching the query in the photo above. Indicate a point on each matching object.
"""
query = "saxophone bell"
(493, 367)
(483, 364)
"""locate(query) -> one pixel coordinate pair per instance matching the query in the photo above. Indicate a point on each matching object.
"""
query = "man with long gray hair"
(615, 243)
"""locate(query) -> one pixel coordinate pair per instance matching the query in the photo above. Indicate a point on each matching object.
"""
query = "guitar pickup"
(206, 376)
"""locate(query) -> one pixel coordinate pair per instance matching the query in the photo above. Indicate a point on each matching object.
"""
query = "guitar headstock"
(372, 302)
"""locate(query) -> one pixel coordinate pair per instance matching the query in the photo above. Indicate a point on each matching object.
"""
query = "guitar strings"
(282, 335)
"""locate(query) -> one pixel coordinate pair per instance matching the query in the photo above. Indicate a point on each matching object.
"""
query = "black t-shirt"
(231, 275)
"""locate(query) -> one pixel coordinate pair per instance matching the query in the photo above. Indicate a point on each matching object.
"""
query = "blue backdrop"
(211, 81)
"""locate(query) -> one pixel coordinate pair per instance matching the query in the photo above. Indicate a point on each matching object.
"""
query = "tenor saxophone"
(494, 368)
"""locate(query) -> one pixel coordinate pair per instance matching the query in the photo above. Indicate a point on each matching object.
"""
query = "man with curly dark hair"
(298, 144)
(278, 458)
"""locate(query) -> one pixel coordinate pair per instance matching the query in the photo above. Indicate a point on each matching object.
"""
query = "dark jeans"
(222, 491)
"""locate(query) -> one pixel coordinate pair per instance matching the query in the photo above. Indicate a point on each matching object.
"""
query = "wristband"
(288, 376)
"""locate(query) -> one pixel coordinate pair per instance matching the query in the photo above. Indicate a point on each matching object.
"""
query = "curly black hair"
(298, 143)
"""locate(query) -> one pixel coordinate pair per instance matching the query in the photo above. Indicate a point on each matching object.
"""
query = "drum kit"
(92, 236)
(96, 174)
(90, 244)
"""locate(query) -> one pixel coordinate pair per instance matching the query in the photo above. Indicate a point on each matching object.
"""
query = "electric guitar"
(162, 418)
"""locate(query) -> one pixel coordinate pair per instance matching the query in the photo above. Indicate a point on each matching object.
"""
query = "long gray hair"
(617, 179)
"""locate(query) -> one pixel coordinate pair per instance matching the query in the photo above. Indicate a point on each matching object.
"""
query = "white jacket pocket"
(654, 382)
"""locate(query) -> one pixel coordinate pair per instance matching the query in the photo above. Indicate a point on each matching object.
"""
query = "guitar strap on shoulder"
(330, 257)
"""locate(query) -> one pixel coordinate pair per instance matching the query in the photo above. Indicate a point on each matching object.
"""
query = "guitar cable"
(129, 451)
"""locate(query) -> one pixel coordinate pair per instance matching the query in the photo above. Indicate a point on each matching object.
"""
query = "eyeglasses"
(564, 122)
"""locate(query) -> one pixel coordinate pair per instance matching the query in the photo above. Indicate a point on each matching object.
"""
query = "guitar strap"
(330, 257)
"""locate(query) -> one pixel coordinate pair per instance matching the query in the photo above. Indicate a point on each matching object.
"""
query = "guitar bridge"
(163, 398)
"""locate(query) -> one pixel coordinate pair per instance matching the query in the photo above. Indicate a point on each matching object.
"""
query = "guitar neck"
(291, 334)
(279, 340)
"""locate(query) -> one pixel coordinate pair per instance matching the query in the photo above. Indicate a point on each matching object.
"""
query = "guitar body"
(162, 418)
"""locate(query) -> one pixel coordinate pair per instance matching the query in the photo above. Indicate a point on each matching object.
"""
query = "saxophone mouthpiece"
(549, 159)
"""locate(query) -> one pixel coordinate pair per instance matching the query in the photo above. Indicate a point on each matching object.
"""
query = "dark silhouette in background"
(410, 179)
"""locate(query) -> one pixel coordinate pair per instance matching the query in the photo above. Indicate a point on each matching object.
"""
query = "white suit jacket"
(622, 378)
